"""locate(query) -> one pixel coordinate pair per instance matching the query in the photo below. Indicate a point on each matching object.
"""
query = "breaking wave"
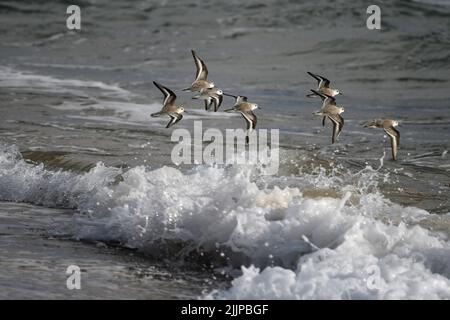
(331, 236)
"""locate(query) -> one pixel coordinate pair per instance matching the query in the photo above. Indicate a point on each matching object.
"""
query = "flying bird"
(169, 108)
(245, 108)
(323, 86)
(389, 127)
(201, 77)
(331, 111)
(211, 96)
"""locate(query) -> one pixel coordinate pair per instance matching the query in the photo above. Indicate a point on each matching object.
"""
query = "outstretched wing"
(395, 140)
(219, 100)
(202, 71)
(239, 99)
(327, 100)
(174, 118)
(321, 81)
(338, 124)
(376, 123)
(250, 118)
(169, 95)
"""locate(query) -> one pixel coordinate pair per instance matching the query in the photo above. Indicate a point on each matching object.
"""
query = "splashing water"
(294, 245)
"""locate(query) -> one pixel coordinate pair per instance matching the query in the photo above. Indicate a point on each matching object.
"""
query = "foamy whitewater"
(277, 242)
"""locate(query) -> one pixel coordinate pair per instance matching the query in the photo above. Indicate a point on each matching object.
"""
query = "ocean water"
(86, 175)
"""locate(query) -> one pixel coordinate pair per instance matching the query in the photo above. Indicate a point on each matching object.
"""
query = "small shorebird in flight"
(211, 96)
(331, 111)
(323, 86)
(389, 127)
(201, 78)
(169, 108)
(245, 108)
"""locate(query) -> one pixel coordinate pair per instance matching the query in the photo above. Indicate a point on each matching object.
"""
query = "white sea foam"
(289, 245)
(124, 112)
(11, 78)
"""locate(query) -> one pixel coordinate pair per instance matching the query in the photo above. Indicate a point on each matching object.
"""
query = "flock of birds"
(213, 97)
